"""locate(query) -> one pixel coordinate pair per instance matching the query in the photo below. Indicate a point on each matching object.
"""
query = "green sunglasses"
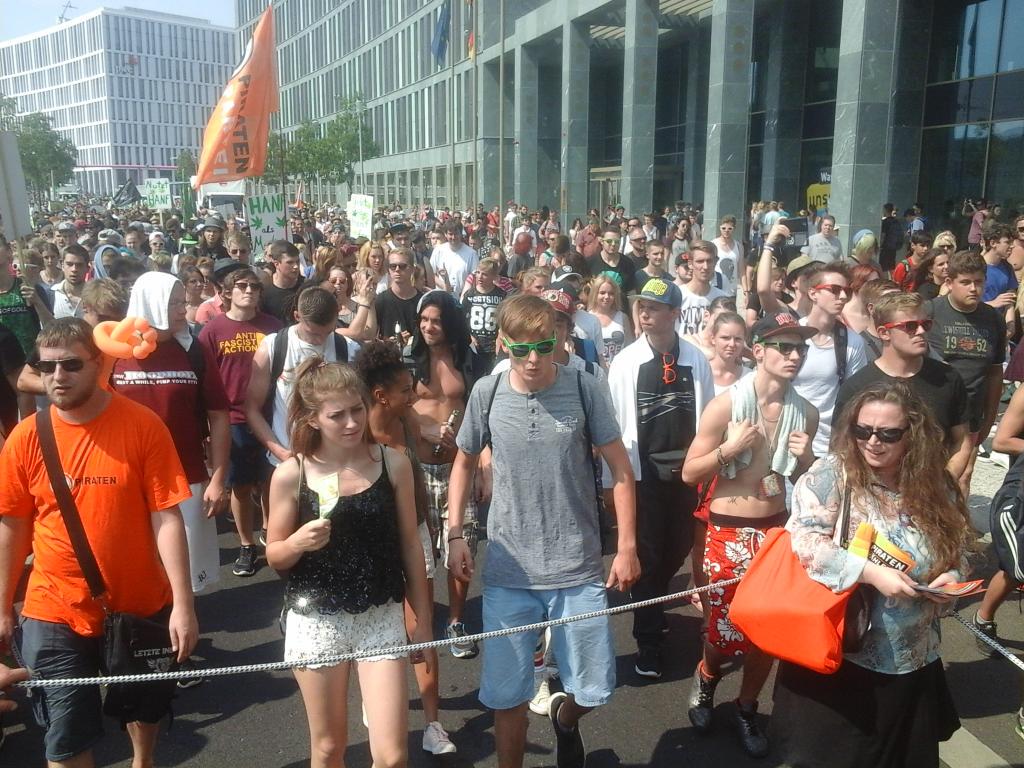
(524, 348)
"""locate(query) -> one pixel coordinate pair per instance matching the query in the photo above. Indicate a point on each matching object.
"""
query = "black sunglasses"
(787, 348)
(69, 364)
(885, 434)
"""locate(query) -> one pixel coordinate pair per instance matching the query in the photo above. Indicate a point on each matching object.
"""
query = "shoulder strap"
(487, 410)
(280, 352)
(583, 404)
(839, 341)
(66, 502)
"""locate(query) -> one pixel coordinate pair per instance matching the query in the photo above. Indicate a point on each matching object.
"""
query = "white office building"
(131, 88)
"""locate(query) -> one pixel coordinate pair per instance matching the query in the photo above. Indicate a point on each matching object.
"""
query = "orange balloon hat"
(125, 339)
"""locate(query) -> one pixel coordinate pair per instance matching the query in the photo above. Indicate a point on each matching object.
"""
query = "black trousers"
(664, 533)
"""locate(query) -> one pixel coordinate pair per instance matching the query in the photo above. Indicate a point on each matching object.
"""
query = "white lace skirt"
(320, 635)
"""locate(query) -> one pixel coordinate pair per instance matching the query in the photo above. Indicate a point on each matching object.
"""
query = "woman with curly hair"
(888, 706)
(392, 423)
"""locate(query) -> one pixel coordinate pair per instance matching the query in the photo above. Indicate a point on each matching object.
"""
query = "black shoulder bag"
(131, 644)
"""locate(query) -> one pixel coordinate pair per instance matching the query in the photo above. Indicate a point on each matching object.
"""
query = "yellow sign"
(817, 198)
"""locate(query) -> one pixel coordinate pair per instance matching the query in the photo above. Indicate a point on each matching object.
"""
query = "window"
(965, 39)
(955, 166)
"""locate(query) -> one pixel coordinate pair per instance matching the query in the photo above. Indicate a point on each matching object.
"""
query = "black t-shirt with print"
(971, 342)
(481, 311)
(666, 414)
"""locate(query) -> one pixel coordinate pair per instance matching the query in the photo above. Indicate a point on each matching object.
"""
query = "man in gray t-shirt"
(544, 543)
(825, 246)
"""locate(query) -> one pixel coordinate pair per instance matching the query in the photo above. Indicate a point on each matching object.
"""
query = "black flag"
(127, 195)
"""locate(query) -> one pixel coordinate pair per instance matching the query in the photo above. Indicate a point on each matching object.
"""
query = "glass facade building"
(130, 88)
(845, 104)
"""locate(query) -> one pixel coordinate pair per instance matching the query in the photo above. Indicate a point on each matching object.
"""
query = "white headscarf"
(149, 298)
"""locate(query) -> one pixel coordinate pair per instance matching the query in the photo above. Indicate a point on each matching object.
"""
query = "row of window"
(163, 38)
(420, 186)
(51, 49)
(65, 104)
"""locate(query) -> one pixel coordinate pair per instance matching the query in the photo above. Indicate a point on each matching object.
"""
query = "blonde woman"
(606, 304)
(373, 256)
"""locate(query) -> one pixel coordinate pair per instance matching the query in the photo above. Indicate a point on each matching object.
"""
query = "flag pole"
(501, 107)
(451, 95)
(476, 109)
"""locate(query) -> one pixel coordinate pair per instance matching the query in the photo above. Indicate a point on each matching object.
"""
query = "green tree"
(46, 155)
(272, 171)
(8, 113)
(342, 136)
(186, 165)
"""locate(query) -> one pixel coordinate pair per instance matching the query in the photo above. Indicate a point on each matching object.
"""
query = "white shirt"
(298, 350)
(528, 230)
(730, 264)
(818, 381)
(588, 327)
(691, 315)
(457, 263)
(64, 304)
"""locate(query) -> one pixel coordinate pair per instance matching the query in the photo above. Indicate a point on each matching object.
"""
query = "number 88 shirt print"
(481, 311)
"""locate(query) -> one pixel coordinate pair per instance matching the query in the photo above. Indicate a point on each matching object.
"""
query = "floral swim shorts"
(730, 545)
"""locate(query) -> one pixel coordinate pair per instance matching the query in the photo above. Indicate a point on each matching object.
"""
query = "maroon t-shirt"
(166, 383)
(233, 343)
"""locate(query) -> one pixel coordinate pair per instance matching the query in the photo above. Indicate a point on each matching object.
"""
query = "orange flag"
(235, 141)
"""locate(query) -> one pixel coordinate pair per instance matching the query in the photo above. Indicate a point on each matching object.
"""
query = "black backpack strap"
(840, 340)
(277, 355)
(66, 502)
(340, 348)
(487, 410)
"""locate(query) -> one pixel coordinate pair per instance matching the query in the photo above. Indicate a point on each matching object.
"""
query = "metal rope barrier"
(277, 666)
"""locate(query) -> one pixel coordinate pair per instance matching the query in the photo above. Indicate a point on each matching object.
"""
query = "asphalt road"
(258, 719)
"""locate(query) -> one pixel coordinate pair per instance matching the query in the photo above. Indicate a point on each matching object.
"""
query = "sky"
(18, 17)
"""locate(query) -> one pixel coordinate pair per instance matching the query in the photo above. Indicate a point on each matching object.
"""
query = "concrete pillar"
(575, 178)
(639, 74)
(487, 190)
(784, 103)
(732, 24)
(526, 105)
(863, 102)
(695, 125)
(915, 23)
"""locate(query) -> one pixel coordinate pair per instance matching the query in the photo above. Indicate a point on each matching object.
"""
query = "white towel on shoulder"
(792, 419)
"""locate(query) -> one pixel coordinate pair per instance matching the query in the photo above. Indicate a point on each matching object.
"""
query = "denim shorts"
(583, 649)
(73, 716)
(248, 458)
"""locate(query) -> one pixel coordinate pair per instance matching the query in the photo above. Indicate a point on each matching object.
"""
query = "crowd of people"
(371, 410)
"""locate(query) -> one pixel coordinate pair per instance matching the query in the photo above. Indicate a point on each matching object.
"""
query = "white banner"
(266, 217)
(360, 215)
(157, 193)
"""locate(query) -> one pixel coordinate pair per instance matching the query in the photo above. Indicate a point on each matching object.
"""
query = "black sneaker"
(754, 742)
(648, 663)
(987, 628)
(569, 749)
(245, 565)
(702, 701)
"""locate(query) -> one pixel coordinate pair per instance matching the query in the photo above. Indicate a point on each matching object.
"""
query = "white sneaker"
(541, 701)
(436, 741)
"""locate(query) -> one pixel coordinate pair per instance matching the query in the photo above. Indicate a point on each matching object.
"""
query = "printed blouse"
(904, 633)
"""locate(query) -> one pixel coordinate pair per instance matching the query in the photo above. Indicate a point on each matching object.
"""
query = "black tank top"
(361, 566)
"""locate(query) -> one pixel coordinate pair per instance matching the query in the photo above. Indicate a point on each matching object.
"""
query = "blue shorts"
(249, 463)
(73, 716)
(583, 649)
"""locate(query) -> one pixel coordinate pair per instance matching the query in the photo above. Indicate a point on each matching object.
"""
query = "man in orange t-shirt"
(126, 481)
